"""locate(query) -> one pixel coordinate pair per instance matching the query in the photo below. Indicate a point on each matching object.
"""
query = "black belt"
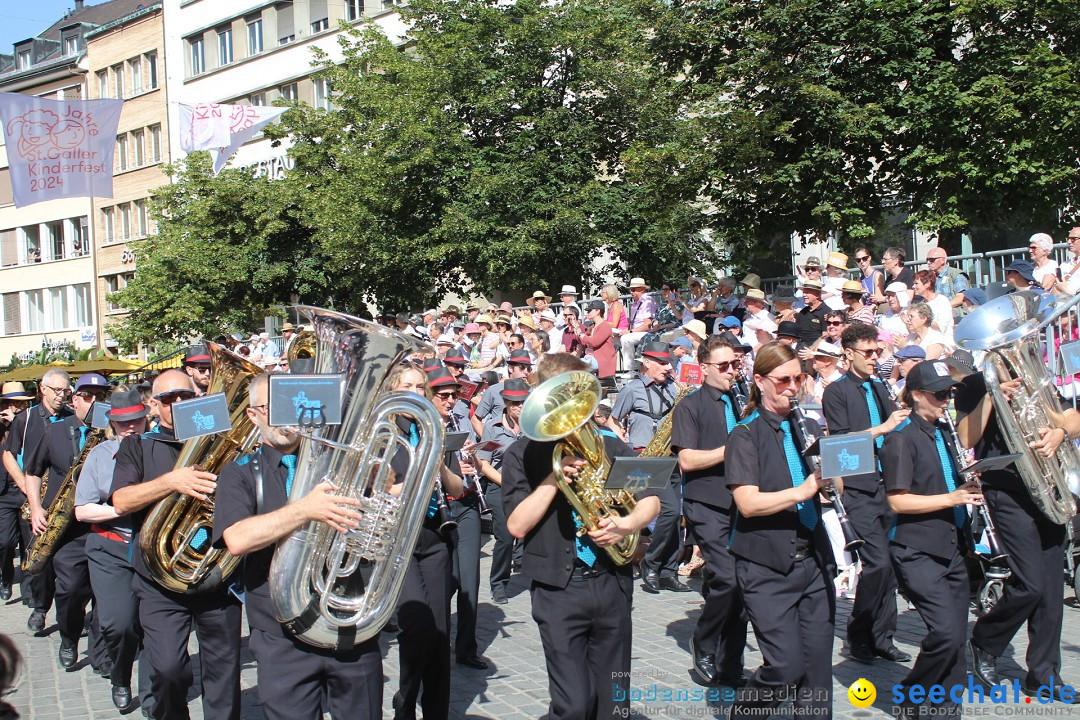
(804, 553)
(584, 572)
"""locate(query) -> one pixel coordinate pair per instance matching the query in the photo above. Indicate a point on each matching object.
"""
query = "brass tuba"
(175, 537)
(1008, 328)
(332, 589)
(60, 512)
(561, 408)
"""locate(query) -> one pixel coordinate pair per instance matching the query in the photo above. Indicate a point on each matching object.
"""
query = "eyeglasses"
(1074, 237)
(724, 365)
(171, 396)
(812, 268)
(835, 322)
(256, 407)
(942, 395)
(938, 257)
(864, 258)
(868, 352)
(58, 390)
(90, 396)
(788, 379)
(452, 395)
(200, 368)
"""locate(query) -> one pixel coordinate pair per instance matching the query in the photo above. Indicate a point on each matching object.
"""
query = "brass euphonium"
(61, 510)
(561, 408)
(1008, 329)
(175, 537)
(333, 589)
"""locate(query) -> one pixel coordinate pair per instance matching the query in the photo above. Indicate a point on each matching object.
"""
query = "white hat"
(264, 335)
(548, 315)
(638, 282)
(697, 327)
(896, 287)
(445, 340)
(828, 350)
(765, 324)
(568, 290)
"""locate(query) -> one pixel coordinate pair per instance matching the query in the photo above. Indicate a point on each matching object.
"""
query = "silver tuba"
(1008, 330)
(331, 589)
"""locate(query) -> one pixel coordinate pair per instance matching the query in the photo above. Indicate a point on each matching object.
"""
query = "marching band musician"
(13, 531)
(784, 563)
(292, 675)
(26, 432)
(67, 567)
(144, 475)
(855, 403)
(929, 537)
(641, 404)
(1035, 546)
(424, 604)
(700, 426)
(580, 600)
(107, 547)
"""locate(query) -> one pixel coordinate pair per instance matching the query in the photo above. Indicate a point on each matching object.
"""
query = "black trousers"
(43, 584)
(721, 629)
(793, 616)
(116, 607)
(423, 617)
(293, 679)
(13, 532)
(167, 619)
(73, 594)
(503, 549)
(939, 590)
(661, 557)
(466, 572)
(873, 614)
(1036, 550)
(586, 632)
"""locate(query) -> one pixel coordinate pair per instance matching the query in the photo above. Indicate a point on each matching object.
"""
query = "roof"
(94, 15)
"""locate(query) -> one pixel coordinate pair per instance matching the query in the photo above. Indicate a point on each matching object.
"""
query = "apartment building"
(46, 249)
(244, 52)
(126, 60)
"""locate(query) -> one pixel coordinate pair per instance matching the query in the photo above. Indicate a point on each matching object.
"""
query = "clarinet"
(447, 523)
(996, 551)
(804, 439)
(470, 480)
(893, 395)
(740, 395)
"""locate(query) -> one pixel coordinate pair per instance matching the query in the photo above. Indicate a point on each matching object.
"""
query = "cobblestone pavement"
(515, 684)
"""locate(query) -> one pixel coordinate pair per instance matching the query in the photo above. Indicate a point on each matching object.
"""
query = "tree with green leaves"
(229, 247)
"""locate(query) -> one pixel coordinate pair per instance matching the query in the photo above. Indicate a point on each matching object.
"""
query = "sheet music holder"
(995, 463)
(454, 441)
(635, 474)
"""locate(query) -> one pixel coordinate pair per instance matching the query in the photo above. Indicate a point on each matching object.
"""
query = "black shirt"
(699, 422)
(55, 453)
(550, 546)
(755, 456)
(906, 276)
(27, 430)
(910, 461)
(992, 443)
(812, 323)
(141, 458)
(846, 411)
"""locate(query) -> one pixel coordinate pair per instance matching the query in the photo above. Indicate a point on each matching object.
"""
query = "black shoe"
(732, 681)
(650, 583)
(498, 595)
(121, 697)
(861, 653)
(104, 670)
(893, 654)
(36, 623)
(983, 665)
(672, 584)
(68, 655)
(1041, 691)
(476, 663)
(5, 592)
(704, 665)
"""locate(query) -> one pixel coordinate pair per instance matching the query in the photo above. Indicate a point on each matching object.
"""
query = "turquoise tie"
(729, 413)
(433, 501)
(807, 512)
(289, 461)
(959, 513)
(82, 436)
(583, 545)
(875, 413)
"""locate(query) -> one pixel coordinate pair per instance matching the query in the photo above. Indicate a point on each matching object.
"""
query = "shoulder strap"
(256, 468)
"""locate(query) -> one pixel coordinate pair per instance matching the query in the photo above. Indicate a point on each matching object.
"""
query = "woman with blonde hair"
(616, 313)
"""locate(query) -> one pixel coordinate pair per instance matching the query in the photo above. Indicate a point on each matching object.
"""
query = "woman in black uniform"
(424, 605)
(931, 532)
(783, 556)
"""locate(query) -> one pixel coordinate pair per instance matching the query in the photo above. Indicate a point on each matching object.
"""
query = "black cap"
(788, 329)
(431, 364)
(127, 405)
(454, 356)
(659, 351)
(515, 389)
(441, 377)
(593, 305)
(931, 375)
(196, 354)
(518, 357)
(961, 361)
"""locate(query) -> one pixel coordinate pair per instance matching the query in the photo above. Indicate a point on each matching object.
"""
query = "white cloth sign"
(204, 126)
(245, 122)
(59, 148)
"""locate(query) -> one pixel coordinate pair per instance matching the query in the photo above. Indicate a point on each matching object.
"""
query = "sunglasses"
(835, 322)
(942, 395)
(171, 396)
(451, 395)
(864, 258)
(723, 366)
(869, 353)
(90, 396)
(788, 379)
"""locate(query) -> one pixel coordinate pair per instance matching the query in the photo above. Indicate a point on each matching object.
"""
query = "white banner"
(204, 126)
(245, 122)
(59, 148)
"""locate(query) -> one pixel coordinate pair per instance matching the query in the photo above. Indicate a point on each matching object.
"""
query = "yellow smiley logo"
(862, 693)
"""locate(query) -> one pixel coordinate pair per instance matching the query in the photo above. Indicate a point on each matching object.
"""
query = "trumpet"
(804, 439)
(996, 551)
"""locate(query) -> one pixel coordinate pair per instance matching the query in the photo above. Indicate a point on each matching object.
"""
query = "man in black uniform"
(859, 402)
(293, 676)
(811, 318)
(144, 475)
(67, 570)
(26, 432)
(1035, 546)
(13, 532)
(580, 598)
(699, 430)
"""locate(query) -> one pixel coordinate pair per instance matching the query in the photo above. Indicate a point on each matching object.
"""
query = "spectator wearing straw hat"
(757, 306)
(641, 314)
(568, 295)
(852, 293)
(833, 282)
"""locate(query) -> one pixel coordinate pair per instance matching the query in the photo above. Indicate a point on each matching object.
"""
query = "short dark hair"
(711, 343)
(857, 332)
(897, 253)
(519, 337)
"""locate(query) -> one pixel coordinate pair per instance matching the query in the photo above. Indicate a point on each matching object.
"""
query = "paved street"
(515, 686)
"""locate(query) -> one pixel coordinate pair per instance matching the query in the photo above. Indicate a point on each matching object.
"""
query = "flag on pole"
(222, 129)
(59, 148)
(245, 122)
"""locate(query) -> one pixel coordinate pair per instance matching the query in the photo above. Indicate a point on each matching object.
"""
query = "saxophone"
(60, 512)
(24, 511)
(561, 408)
(660, 445)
